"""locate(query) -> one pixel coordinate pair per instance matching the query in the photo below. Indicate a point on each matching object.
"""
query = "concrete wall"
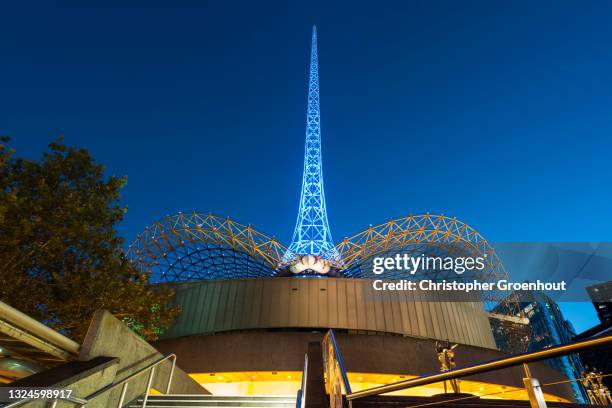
(108, 336)
(110, 352)
(218, 306)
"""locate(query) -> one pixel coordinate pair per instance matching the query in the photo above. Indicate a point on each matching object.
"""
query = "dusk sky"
(498, 113)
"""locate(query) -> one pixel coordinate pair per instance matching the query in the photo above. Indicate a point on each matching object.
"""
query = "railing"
(79, 402)
(503, 393)
(301, 394)
(335, 375)
(125, 382)
(483, 367)
(21, 327)
(38, 329)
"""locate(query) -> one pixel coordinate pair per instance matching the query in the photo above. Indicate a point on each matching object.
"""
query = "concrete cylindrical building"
(249, 336)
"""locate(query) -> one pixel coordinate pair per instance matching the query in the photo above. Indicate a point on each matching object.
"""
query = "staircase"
(187, 401)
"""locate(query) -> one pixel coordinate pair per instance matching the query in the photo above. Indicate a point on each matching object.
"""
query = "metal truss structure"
(194, 246)
(433, 235)
(417, 231)
(312, 234)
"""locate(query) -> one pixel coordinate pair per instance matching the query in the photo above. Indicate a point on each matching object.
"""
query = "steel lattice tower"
(312, 234)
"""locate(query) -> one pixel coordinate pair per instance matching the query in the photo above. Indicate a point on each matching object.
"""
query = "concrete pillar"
(315, 383)
(534, 390)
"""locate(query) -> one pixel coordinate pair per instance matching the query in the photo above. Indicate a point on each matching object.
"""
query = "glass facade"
(548, 328)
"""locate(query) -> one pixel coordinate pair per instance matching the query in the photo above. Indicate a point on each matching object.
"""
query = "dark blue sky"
(497, 113)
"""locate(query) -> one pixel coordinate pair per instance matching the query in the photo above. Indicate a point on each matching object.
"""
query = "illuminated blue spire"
(312, 235)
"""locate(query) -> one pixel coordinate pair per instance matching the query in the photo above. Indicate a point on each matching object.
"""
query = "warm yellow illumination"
(287, 383)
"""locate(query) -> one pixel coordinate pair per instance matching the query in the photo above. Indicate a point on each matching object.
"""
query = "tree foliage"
(61, 258)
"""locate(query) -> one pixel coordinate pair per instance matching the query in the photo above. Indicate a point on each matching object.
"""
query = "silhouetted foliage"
(60, 255)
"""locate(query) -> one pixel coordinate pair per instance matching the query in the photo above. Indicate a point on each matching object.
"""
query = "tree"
(61, 258)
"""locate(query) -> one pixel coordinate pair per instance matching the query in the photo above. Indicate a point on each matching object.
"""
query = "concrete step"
(189, 401)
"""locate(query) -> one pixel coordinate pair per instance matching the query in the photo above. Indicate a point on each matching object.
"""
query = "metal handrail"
(347, 385)
(80, 402)
(484, 367)
(46, 334)
(125, 381)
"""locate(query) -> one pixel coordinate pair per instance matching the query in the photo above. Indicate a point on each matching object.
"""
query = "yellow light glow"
(287, 383)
